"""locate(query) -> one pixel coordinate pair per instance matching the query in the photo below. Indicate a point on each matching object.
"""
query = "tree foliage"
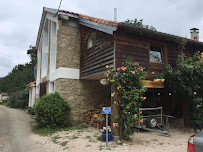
(139, 23)
(15, 82)
(127, 80)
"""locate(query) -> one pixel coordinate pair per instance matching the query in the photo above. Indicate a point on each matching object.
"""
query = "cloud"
(20, 20)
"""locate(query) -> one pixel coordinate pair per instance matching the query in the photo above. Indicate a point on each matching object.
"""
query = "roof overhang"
(98, 26)
(155, 34)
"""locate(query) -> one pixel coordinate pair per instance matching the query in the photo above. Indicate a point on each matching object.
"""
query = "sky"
(20, 19)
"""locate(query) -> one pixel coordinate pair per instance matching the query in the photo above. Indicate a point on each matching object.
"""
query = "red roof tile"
(31, 83)
(93, 19)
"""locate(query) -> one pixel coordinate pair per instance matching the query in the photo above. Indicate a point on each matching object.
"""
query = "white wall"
(45, 48)
(53, 47)
(66, 73)
(33, 96)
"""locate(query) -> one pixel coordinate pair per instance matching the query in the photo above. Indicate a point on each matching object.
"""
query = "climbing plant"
(186, 79)
(130, 89)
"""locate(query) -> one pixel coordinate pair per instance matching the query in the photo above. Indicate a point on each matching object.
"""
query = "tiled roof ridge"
(93, 19)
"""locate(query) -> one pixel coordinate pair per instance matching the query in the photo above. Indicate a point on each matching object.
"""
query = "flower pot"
(104, 136)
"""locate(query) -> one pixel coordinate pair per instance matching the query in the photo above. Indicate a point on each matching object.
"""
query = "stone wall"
(68, 45)
(81, 93)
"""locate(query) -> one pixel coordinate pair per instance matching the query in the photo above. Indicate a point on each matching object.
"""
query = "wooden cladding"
(138, 48)
(93, 60)
(130, 46)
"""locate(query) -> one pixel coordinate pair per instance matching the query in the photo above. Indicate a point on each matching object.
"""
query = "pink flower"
(108, 71)
(123, 73)
(133, 72)
(118, 69)
(125, 68)
(141, 120)
(107, 66)
(144, 98)
(140, 112)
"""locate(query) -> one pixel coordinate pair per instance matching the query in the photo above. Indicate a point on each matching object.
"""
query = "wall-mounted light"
(159, 93)
(169, 94)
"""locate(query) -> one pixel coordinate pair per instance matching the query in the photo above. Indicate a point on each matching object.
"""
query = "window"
(52, 87)
(92, 40)
(156, 54)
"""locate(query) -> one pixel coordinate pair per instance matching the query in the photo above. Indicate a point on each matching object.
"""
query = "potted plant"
(109, 134)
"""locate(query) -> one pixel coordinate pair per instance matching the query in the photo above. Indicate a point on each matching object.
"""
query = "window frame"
(163, 52)
(93, 38)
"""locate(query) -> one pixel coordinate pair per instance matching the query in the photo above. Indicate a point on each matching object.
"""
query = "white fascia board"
(64, 73)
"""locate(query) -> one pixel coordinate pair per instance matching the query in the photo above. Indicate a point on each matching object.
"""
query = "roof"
(31, 83)
(93, 19)
(155, 34)
(4, 94)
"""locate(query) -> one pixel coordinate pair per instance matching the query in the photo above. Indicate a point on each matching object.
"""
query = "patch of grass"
(101, 147)
(50, 131)
(88, 137)
(54, 139)
(5, 103)
(100, 139)
(81, 127)
(64, 143)
(73, 137)
(88, 146)
(45, 131)
(96, 135)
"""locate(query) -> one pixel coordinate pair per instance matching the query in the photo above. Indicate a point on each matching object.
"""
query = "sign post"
(106, 110)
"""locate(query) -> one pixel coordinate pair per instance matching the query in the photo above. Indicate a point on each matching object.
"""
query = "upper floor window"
(156, 54)
(92, 40)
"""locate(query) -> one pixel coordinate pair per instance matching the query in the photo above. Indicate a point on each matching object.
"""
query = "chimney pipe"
(194, 34)
(115, 14)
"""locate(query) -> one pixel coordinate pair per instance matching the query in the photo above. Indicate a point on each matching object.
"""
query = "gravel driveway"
(16, 136)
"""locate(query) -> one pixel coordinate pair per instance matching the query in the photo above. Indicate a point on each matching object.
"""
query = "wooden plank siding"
(94, 59)
(138, 48)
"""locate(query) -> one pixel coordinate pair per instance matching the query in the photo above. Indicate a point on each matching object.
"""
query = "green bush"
(19, 99)
(52, 111)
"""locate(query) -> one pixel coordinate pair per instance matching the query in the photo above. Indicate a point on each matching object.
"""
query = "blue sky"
(19, 20)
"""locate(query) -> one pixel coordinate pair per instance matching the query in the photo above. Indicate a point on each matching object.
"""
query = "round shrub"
(52, 111)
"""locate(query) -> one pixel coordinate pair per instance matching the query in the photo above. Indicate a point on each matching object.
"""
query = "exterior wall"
(94, 59)
(32, 96)
(68, 45)
(138, 48)
(81, 93)
(4, 97)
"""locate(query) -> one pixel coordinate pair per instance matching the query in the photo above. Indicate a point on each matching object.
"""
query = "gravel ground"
(15, 136)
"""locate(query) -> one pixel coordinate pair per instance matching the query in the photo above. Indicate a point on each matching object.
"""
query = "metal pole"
(106, 131)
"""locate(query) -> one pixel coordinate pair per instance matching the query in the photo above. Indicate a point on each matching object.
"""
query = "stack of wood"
(94, 116)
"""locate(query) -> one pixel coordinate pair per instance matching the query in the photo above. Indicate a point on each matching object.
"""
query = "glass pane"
(155, 54)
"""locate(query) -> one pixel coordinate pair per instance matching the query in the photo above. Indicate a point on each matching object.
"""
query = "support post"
(115, 119)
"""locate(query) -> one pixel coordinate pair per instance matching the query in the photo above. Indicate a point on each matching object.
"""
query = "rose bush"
(130, 89)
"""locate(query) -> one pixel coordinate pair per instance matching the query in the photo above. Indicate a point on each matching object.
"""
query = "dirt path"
(14, 131)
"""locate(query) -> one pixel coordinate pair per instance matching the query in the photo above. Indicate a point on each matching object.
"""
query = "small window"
(92, 40)
(52, 87)
(156, 54)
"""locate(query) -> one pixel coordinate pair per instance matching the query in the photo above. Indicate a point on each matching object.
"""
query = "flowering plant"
(127, 80)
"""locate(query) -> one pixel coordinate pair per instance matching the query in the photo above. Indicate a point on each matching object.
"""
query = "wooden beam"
(153, 84)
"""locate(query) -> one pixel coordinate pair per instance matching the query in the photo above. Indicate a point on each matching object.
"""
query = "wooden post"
(115, 119)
